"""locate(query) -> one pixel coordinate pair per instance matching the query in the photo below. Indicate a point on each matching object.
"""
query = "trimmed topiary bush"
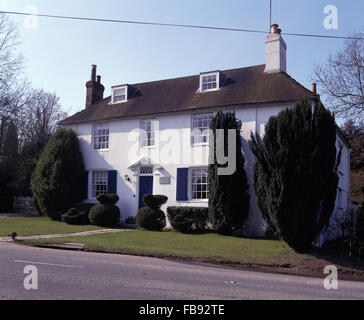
(151, 217)
(107, 198)
(85, 207)
(58, 179)
(104, 215)
(75, 217)
(188, 219)
(154, 201)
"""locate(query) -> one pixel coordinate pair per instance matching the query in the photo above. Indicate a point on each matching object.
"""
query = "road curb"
(63, 246)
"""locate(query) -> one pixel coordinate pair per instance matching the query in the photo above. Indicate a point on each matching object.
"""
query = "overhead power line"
(174, 25)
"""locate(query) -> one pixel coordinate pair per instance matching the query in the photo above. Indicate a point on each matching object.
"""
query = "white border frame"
(92, 136)
(126, 87)
(207, 74)
(189, 189)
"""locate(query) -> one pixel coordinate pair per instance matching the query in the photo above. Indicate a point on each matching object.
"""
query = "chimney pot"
(98, 79)
(93, 72)
(274, 28)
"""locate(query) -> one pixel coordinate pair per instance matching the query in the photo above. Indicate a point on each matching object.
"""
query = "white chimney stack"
(276, 49)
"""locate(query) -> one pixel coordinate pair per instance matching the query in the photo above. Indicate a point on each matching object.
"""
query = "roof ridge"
(191, 76)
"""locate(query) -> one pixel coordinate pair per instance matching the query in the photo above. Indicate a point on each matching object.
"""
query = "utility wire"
(173, 25)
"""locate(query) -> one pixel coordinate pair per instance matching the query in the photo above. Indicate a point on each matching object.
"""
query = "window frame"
(209, 74)
(153, 133)
(94, 136)
(116, 88)
(190, 185)
(106, 184)
(199, 143)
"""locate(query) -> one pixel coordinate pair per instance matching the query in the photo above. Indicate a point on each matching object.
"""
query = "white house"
(150, 137)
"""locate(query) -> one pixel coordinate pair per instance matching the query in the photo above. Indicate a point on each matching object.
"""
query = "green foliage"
(10, 153)
(228, 194)
(355, 134)
(6, 192)
(188, 219)
(57, 181)
(360, 224)
(104, 215)
(154, 201)
(351, 242)
(9, 161)
(83, 206)
(130, 220)
(75, 217)
(295, 174)
(151, 217)
(107, 198)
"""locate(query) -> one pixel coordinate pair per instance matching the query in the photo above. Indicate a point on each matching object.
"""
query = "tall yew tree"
(295, 174)
(58, 179)
(228, 194)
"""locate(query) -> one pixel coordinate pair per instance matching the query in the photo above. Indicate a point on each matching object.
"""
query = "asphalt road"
(81, 275)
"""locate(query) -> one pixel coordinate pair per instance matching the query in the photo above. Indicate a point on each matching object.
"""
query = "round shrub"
(151, 219)
(104, 215)
(154, 201)
(107, 198)
(75, 217)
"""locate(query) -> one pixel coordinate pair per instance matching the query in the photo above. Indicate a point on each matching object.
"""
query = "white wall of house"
(124, 151)
(342, 203)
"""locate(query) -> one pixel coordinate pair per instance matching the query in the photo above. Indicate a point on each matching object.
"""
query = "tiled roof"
(243, 86)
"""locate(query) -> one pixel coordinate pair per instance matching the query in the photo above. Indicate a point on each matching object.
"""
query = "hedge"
(188, 219)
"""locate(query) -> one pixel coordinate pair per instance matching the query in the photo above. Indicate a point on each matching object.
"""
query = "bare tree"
(40, 116)
(37, 122)
(341, 80)
(12, 91)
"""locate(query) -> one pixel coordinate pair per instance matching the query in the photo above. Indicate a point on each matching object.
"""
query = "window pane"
(200, 127)
(148, 136)
(99, 182)
(209, 82)
(199, 184)
(119, 92)
(101, 136)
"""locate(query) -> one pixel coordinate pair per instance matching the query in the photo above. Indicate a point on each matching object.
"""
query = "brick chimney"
(95, 90)
(276, 50)
(314, 88)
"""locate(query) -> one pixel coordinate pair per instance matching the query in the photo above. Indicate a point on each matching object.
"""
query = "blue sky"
(59, 53)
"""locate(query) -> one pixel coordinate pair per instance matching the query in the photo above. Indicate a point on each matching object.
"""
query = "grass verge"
(180, 245)
(31, 226)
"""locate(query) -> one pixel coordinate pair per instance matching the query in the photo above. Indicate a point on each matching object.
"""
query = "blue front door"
(145, 187)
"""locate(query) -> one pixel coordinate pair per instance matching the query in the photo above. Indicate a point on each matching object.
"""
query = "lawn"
(31, 226)
(181, 245)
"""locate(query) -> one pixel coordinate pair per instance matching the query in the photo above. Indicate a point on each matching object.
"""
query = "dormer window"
(209, 81)
(119, 94)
